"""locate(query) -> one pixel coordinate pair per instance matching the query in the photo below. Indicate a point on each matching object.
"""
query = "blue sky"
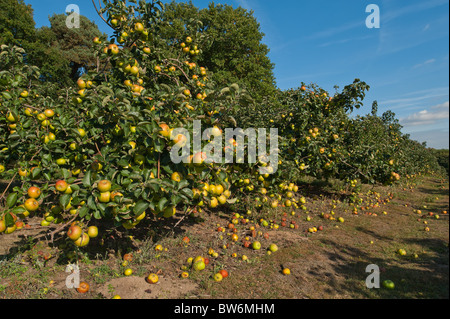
(405, 61)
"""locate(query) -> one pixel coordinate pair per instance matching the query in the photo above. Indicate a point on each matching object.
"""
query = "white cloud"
(428, 117)
(430, 61)
(414, 98)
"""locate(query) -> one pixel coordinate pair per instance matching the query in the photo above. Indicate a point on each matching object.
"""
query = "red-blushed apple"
(224, 273)
(82, 241)
(61, 186)
(74, 232)
(31, 205)
(152, 279)
(34, 192)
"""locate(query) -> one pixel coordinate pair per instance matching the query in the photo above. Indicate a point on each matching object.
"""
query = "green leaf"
(162, 204)
(87, 179)
(175, 200)
(83, 211)
(35, 173)
(91, 203)
(65, 173)
(183, 184)
(75, 187)
(97, 215)
(9, 220)
(11, 200)
(140, 207)
(188, 192)
(64, 200)
(18, 210)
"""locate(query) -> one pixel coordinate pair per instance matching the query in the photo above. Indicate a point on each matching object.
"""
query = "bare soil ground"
(329, 264)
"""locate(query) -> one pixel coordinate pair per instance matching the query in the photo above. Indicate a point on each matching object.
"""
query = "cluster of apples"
(11, 117)
(189, 47)
(80, 237)
(284, 196)
(83, 86)
(395, 176)
(43, 117)
(31, 204)
(214, 194)
(8, 229)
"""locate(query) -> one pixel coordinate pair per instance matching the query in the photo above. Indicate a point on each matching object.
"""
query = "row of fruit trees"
(104, 151)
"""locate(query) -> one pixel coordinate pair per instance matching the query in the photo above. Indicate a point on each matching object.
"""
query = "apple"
(216, 131)
(83, 288)
(92, 231)
(199, 158)
(152, 279)
(128, 272)
(169, 212)
(2, 226)
(34, 192)
(273, 248)
(286, 271)
(199, 265)
(218, 277)
(11, 118)
(104, 197)
(256, 245)
(165, 130)
(81, 84)
(146, 50)
(82, 132)
(401, 252)
(74, 232)
(114, 49)
(61, 186)
(134, 70)
(222, 199)
(31, 205)
(224, 273)
(388, 284)
(180, 140)
(82, 241)
(139, 27)
(214, 202)
(104, 186)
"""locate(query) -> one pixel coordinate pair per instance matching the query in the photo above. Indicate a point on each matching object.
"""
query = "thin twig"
(7, 187)
(187, 213)
(57, 230)
(98, 12)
